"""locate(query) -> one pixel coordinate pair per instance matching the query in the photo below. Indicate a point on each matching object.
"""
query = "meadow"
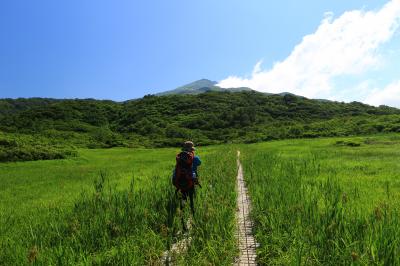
(330, 201)
(327, 201)
(114, 206)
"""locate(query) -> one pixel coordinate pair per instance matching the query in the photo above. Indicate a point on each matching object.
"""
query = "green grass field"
(327, 201)
(315, 202)
(51, 213)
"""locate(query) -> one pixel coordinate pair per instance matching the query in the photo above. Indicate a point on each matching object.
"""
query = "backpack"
(183, 180)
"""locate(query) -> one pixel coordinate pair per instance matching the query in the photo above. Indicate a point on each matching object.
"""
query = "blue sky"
(125, 49)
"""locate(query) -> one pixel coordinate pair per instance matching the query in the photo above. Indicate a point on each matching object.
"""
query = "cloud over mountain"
(349, 45)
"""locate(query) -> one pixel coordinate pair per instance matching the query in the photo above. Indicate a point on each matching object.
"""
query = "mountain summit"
(200, 86)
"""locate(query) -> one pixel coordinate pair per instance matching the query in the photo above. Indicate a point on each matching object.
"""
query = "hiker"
(185, 175)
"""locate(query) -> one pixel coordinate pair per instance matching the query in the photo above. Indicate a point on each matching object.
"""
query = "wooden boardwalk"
(246, 241)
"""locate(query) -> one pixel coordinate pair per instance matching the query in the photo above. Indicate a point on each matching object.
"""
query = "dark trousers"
(185, 194)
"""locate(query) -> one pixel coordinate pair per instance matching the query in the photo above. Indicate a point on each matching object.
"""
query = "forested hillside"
(207, 118)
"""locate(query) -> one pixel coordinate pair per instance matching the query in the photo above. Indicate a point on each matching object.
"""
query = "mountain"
(200, 86)
(206, 85)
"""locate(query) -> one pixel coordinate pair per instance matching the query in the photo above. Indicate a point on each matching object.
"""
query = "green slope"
(207, 118)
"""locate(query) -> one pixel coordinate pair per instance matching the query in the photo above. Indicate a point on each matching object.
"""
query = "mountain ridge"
(200, 86)
(206, 85)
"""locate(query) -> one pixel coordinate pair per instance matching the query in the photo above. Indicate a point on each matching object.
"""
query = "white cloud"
(389, 95)
(257, 68)
(347, 45)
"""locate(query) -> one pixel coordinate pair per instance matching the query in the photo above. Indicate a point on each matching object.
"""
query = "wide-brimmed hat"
(188, 146)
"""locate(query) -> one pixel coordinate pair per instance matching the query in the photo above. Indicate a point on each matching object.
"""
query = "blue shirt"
(196, 163)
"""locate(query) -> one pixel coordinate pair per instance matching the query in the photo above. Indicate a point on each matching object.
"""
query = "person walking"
(186, 176)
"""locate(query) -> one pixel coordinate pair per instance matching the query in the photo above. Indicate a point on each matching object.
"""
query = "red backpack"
(183, 171)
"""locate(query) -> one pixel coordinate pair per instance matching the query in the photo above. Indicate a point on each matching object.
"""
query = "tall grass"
(104, 227)
(214, 241)
(301, 218)
(133, 225)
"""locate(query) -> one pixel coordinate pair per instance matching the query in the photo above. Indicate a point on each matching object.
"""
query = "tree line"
(207, 118)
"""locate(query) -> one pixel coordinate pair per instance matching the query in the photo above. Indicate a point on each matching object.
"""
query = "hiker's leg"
(181, 204)
(191, 197)
(183, 201)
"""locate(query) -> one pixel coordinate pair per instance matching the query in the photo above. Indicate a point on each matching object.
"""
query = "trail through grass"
(246, 242)
(327, 201)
